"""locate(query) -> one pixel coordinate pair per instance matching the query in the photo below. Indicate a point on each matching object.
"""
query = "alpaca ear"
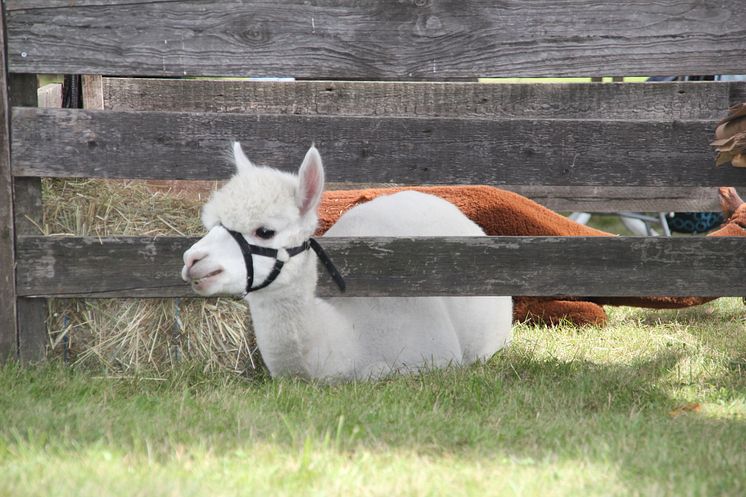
(243, 164)
(311, 184)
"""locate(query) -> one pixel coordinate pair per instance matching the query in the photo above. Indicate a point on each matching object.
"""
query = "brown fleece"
(553, 312)
(503, 213)
(497, 212)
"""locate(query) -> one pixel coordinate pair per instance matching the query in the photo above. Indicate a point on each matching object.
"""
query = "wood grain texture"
(56, 4)
(677, 100)
(22, 90)
(28, 206)
(32, 329)
(411, 39)
(8, 309)
(167, 145)
(620, 198)
(50, 95)
(658, 101)
(32, 313)
(613, 266)
(27, 191)
(600, 199)
(93, 91)
(737, 94)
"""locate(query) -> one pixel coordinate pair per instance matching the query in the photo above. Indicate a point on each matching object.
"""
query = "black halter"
(248, 250)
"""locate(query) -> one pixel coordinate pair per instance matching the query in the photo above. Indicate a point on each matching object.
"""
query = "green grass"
(561, 412)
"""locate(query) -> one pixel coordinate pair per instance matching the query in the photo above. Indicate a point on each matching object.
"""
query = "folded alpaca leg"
(539, 310)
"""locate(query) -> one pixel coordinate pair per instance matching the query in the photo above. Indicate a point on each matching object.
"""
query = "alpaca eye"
(264, 233)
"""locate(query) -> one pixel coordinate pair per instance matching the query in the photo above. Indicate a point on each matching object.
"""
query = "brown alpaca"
(503, 213)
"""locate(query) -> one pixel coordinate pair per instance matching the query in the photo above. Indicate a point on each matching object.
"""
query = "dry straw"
(126, 335)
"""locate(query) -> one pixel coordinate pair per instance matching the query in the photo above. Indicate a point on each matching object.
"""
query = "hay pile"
(125, 335)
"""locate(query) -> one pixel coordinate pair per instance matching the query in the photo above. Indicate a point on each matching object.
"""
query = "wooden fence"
(593, 146)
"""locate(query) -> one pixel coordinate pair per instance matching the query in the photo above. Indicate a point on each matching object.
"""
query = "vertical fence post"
(32, 313)
(8, 312)
(93, 91)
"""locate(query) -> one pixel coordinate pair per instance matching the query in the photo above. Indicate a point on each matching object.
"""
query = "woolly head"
(270, 208)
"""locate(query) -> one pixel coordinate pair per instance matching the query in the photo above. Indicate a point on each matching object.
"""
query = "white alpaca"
(336, 338)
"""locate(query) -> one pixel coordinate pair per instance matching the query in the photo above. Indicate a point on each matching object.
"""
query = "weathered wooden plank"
(93, 91)
(55, 4)
(737, 94)
(28, 206)
(659, 101)
(32, 313)
(50, 95)
(8, 309)
(32, 329)
(618, 199)
(432, 40)
(613, 266)
(168, 145)
(598, 199)
(22, 90)
(677, 100)
(28, 198)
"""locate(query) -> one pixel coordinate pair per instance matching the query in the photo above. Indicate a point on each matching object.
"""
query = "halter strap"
(328, 264)
(247, 250)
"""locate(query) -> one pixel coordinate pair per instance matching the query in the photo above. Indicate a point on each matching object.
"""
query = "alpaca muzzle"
(248, 251)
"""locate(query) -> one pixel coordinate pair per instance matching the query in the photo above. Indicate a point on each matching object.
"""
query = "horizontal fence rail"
(661, 101)
(179, 145)
(428, 39)
(654, 101)
(620, 198)
(544, 266)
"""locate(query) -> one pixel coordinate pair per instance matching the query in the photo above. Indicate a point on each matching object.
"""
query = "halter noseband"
(247, 250)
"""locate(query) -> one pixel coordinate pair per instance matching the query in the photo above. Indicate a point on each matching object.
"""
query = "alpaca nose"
(192, 258)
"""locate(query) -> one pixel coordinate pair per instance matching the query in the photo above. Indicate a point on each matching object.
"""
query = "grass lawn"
(654, 404)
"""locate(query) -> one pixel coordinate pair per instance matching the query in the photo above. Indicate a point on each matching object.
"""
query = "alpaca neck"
(295, 331)
(281, 328)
